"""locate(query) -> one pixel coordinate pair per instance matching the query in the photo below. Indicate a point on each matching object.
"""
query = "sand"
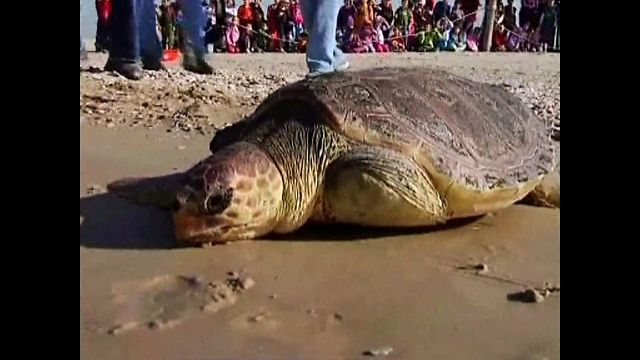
(320, 293)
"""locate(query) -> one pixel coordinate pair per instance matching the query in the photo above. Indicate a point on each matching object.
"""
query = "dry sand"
(321, 293)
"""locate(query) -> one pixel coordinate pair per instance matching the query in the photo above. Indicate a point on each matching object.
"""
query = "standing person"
(194, 22)
(442, 9)
(298, 19)
(348, 10)
(103, 9)
(557, 42)
(246, 14)
(258, 12)
(529, 13)
(422, 15)
(272, 23)
(457, 15)
(167, 21)
(134, 38)
(385, 9)
(510, 15)
(246, 18)
(470, 8)
(548, 25)
(83, 51)
(323, 55)
(403, 19)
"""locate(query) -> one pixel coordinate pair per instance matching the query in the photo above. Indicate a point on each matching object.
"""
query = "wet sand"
(320, 293)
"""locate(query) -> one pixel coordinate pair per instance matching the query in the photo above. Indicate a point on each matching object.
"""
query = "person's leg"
(125, 44)
(321, 23)
(100, 28)
(83, 52)
(150, 48)
(194, 21)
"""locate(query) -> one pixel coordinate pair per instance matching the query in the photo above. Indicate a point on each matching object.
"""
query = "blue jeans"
(321, 21)
(194, 21)
(133, 30)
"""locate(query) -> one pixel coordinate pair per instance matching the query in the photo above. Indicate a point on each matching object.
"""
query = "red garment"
(430, 4)
(272, 24)
(469, 6)
(246, 14)
(499, 39)
(103, 8)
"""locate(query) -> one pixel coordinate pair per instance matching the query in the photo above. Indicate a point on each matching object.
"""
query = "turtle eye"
(217, 203)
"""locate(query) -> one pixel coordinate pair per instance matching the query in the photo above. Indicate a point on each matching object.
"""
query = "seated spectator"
(233, 36)
(427, 39)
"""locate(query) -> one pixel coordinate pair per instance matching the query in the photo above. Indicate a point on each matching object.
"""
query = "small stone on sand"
(119, 329)
(247, 283)
(382, 351)
(528, 296)
(482, 268)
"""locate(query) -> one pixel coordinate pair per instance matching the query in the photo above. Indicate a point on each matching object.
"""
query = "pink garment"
(232, 35)
(383, 48)
(296, 14)
(472, 42)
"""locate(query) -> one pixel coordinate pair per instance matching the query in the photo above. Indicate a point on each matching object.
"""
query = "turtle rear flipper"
(547, 193)
(159, 191)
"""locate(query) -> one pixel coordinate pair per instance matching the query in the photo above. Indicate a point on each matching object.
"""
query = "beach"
(323, 292)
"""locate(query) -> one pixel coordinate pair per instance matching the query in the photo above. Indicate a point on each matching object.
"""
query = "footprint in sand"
(166, 301)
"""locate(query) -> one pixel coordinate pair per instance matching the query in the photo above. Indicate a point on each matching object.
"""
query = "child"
(533, 39)
(473, 38)
(427, 39)
(499, 39)
(247, 39)
(167, 22)
(303, 39)
(380, 44)
(403, 18)
(444, 26)
(356, 45)
(368, 36)
(233, 35)
(397, 41)
(458, 38)
(263, 42)
(296, 14)
(513, 39)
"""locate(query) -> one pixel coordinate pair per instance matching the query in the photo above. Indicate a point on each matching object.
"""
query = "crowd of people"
(367, 26)
(363, 26)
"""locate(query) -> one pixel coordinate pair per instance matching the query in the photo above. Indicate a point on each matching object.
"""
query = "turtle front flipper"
(374, 186)
(157, 191)
(547, 193)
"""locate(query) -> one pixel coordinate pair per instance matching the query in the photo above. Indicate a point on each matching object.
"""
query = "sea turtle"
(386, 147)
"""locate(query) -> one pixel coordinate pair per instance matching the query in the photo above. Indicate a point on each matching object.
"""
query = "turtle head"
(234, 194)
